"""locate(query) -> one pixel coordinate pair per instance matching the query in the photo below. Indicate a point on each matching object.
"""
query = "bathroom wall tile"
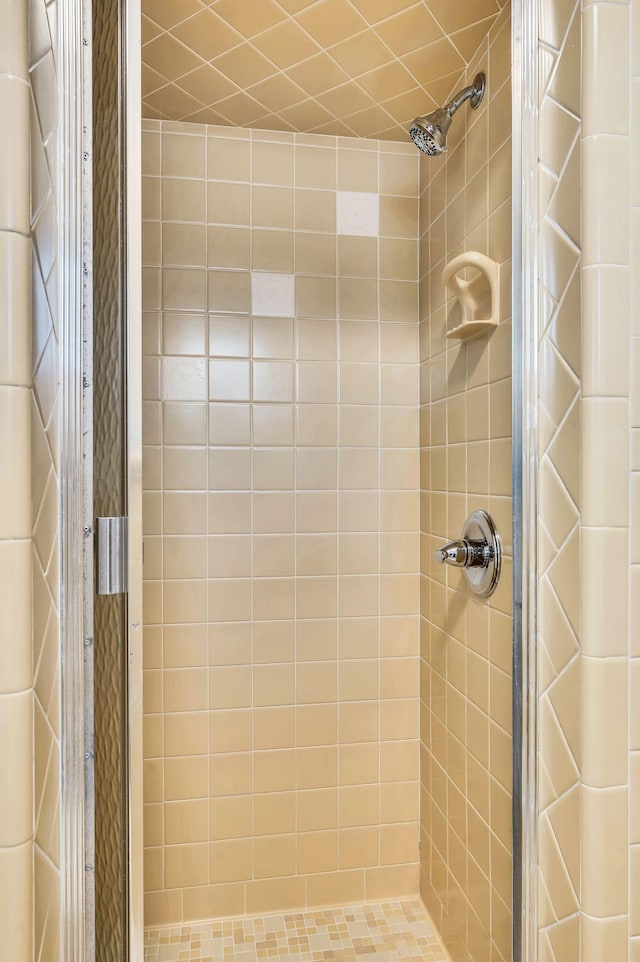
(358, 256)
(273, 250)
(229, 424)
(315, 253)
(604, 625)
(344, 887)
(229, 380)
(245, 452)
(229, 291)
(272, 207)
(275, 894)
(605, 495)
(183, 290)
(228, 247)
(560, 638)
(16, 760)
(229, 336)
(273, 294)
(16, 879)
(184, 379)
(604, 687)
(228, 159)
(357, 213)
(15, 489)
(272, 163)
(399, 175)
(16, 590)
(226, 204)
(14, 158)
(606, 86)
(606, 217)
(462, 204)
(315, 167)
(604, 880)
(606, 296)
(272, 381)
(313, 213)
(14, 309)
(182, 200)
(315, 297)
(273, 424)
(317, 340)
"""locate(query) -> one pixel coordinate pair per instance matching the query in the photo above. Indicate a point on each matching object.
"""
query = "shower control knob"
(478, 553)
(465, 554)
(454, 553)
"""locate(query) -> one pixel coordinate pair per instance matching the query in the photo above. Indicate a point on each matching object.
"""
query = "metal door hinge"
(112, 556)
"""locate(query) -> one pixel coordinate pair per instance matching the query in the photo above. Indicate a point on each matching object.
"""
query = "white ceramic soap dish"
(479, 298)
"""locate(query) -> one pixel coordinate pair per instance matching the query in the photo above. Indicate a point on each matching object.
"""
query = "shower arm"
(473, 93)
(459, 99)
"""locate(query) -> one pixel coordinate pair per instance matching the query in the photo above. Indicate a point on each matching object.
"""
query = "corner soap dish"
(478, 298)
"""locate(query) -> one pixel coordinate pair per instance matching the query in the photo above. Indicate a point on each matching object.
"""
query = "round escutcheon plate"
(483, 581)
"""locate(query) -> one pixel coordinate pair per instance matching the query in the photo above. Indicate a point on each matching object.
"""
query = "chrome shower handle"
(478, 553)
(455, 553)
(465, 554)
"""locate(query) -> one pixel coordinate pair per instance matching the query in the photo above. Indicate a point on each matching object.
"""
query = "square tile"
(184, 379)
(357, 213)
(273, 295)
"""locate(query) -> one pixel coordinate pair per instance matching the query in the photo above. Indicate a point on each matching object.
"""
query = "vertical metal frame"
(525, 15)
(73, 51)
(132, 180)
(76, 475)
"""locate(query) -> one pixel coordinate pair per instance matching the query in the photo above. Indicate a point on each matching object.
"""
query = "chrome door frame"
(525, 113)
(74, 146)
(133, 321)
(75, 300)
(75, 243)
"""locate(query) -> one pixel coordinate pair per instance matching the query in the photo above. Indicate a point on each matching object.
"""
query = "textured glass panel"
(109, 491)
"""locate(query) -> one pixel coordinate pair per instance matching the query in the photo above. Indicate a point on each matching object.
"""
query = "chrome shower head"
(429, 133)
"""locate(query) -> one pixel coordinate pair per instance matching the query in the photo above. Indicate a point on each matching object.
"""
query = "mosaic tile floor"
(381, 932)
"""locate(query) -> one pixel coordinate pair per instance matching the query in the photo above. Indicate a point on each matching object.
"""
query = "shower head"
(429, 133)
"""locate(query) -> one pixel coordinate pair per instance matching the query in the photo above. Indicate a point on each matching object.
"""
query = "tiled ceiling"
(359, 68)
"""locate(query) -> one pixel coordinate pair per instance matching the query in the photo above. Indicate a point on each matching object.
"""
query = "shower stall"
(307, 356)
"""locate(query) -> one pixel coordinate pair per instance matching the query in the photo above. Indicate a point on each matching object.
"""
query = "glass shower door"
(117, 652)
(110, 490)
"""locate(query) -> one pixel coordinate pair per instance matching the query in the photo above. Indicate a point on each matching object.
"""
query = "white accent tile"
(357, 213)
(272, 295)
(184, 379)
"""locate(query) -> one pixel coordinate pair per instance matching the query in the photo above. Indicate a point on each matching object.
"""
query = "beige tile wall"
(16, 675)
(589, 654)
(29, 677)
(466, 464)
(610, 501)
(560, 366)
(281, 520)
(45, 495)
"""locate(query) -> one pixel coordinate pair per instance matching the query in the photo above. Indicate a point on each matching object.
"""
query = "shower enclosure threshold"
(396, 931)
